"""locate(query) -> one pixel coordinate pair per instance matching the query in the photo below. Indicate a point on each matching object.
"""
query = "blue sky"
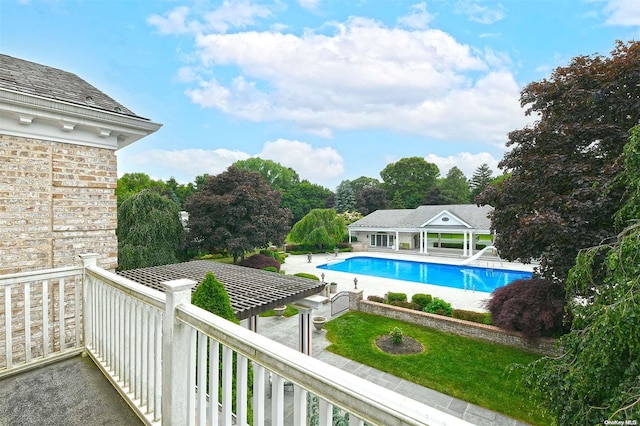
(335, 89)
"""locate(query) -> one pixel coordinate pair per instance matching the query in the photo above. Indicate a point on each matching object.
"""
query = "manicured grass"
(474, 371)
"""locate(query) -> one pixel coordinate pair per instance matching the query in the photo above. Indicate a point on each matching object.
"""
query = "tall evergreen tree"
(480, 179)
(345, 197)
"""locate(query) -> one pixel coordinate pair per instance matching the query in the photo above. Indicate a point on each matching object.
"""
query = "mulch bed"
(408, 346)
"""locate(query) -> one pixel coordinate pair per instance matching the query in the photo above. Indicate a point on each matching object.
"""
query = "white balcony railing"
(177, 364)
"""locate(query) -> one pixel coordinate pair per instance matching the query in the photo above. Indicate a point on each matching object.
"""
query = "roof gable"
(445, 218)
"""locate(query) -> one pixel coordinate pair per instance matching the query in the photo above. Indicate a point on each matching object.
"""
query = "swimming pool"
(455, 276)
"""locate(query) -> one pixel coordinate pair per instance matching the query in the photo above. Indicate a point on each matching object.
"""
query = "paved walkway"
(285, 331)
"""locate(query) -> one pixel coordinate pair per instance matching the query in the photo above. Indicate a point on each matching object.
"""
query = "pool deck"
(459, 299)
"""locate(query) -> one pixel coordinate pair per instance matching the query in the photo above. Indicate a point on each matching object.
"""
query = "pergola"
(252, 291)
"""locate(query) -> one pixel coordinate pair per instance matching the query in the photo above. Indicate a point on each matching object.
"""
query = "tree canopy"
(455, 187)
(371, 199)
(408, 180)
(320, 227)
(236, 211)
(560, 196)
(149, 231)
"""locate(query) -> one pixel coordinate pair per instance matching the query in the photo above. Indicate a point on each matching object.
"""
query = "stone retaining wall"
(459, 327)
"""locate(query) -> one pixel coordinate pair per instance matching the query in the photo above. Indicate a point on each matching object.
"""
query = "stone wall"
(57, 200)
(459, 327)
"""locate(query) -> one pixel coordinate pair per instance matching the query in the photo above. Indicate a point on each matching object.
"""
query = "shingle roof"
(251, 290)
(40, 80)
(475, 216)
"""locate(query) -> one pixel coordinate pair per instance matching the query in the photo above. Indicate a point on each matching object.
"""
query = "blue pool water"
(456, 276)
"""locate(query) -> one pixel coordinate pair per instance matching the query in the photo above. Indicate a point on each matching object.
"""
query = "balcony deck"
(72, 392)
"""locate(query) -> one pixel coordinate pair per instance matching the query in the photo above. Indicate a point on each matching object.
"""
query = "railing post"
(175, 356)
(87, 259)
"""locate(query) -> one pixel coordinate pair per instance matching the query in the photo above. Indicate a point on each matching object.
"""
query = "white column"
(304, 339)
(464, 243)
(471, 243)
(397, 241)
(426, 241)
(176, 342)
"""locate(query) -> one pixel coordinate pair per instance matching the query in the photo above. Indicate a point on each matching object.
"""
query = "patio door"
(382, 240)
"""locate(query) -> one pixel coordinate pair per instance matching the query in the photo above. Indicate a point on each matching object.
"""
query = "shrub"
(396, 335)
(260, 261)
(479, 317)
(439, 307)
(270, 269)
(402, 297)
(405, 304)
(274, 254)
(534, 307)
(421, 300)
(212, 296)
(305, 275)
(377, 299)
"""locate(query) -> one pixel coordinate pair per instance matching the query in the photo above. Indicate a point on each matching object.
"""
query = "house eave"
(32, 116)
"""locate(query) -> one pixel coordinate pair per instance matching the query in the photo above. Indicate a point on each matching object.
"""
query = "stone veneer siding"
(459, 327)
(57, 201)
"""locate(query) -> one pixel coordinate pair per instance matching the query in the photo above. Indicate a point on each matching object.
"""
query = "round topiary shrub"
(534, 307)
(405, 304)
(391, 297)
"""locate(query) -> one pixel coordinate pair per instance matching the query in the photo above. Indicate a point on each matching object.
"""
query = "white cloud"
(187, 162)
(418, 19)
(309, 4)
(311, 163)
(623, 12)
(466, 162)
(363, 76)
(230, 14)
(477, 12)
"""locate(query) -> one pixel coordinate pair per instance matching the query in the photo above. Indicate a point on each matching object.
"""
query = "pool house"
(465, 228)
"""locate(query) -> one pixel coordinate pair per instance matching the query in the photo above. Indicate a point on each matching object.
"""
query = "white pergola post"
(304, 339)
(252, 323)
(176, 343)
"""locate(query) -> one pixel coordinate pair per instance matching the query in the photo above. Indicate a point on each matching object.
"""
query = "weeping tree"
(320, 228)
(149, 231)
(596, 378)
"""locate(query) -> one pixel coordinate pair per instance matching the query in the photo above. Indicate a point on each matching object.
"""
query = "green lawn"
(468, 369)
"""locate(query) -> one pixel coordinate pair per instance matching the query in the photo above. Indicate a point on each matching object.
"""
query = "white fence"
(177, 364)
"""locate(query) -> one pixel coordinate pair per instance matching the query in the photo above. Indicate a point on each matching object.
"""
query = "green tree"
(345, 197)
(559, 196)
(480, 179)
(275, 174)
(149, 231)
(211, 296)
(236, 211)
(597, 376)
(364, 182)
(132, 183)
(455, 187)
(408, 180)
(304, 197)
(320, 227)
